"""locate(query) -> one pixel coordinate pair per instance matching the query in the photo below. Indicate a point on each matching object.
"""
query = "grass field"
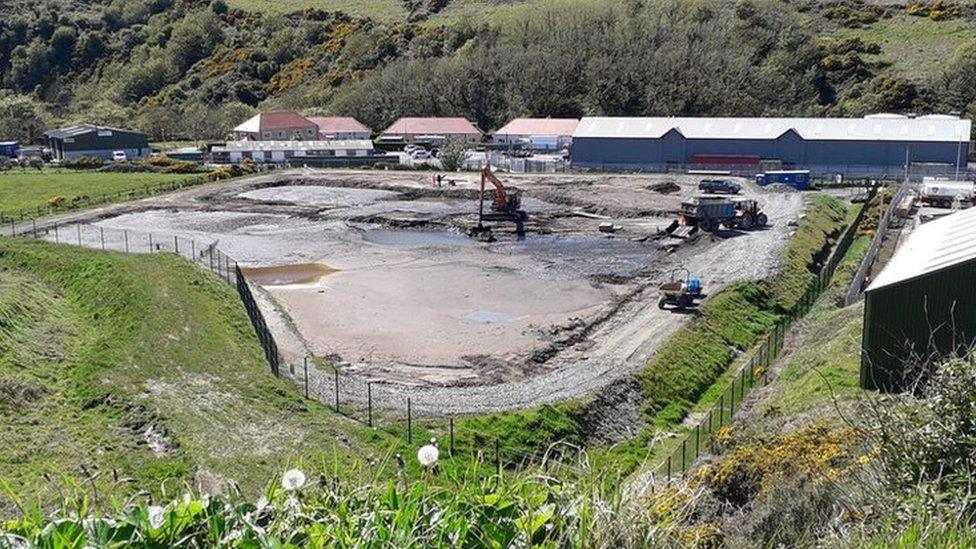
(916, 47)
(144, 367)
(387, 11)
(29, 190)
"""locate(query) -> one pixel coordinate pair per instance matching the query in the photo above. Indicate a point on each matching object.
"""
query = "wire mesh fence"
(857, 283)
(754, 372)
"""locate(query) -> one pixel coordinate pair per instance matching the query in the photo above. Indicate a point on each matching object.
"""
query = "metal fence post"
(697, 440)
(498, 459)
(193, 250)
(337, 390)
(56, 239)
(721, 409)
(409, 423)
(150, 243)
(306, 375)
(176, 244)
(78, 230)
(684, 449)
(669, 471)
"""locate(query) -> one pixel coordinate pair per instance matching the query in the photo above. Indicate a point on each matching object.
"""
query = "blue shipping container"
(9, 148)
(798, 179)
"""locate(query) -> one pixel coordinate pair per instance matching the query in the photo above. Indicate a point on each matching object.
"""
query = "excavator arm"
(501, 199)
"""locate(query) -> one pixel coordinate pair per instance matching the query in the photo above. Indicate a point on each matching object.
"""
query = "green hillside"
(118, 367)
(184, 70)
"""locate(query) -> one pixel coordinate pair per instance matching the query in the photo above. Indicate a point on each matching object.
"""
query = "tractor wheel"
(661, 303)
(746, 221)
(761, 220)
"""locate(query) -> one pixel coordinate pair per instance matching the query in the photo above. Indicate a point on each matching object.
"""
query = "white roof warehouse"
(878, 142)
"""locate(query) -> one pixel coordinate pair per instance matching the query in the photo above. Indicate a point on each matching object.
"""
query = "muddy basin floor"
(374, 272)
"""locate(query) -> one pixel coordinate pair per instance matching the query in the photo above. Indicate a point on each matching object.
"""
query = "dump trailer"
(710, 214)
(706, 214)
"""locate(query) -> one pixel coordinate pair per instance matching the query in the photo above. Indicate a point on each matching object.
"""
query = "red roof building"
(538, 133)
(340, 127)
(277, 126)
(433, 130)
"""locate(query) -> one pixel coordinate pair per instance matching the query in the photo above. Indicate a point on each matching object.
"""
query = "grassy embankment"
(97, 349)
(29, 190)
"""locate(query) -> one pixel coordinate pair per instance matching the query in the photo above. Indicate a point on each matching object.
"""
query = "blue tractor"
(681, 294)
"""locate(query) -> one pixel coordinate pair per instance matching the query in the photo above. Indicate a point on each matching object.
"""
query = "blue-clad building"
(875, 144)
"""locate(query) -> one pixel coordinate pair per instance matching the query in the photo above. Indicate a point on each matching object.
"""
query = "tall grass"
(461, 509)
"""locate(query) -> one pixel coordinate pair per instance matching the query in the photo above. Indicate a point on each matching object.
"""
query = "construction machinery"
(710, 213)
(506, 205)
(681, 294)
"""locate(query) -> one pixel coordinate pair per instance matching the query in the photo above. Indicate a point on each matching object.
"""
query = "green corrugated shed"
(923, 304)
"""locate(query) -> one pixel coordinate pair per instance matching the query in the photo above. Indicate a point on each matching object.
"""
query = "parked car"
(119, 156)
(410, 148)
(420, 154)
(719, 186)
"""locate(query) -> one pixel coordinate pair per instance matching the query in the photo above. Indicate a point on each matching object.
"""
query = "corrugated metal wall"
(789, 148)
(935, 313)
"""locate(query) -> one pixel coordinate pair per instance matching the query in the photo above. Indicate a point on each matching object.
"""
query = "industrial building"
(875, 144)
(340, 127)
(337, 153)
(277, 126)
(923, 303)
(538, 134)
(431, 130)
(96, 141)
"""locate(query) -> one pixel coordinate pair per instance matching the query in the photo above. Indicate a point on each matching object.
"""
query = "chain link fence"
(857, 283)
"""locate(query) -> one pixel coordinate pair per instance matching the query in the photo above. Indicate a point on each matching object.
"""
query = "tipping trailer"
(711, 213)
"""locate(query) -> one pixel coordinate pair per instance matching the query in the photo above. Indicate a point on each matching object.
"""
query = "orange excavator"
(506, 206)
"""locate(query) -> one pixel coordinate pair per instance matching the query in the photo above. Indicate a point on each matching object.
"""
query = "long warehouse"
(875, 144)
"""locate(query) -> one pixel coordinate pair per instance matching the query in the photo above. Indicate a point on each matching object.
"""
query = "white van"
(119, 156)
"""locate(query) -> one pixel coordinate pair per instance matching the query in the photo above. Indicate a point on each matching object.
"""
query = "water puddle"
(416, 239)
(301, 273)
(489, 317)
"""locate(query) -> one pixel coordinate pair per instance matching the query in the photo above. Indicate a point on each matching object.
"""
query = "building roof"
(934, 246)
(317, 145)
(883, 127)
(80, 129)
(555, 127)
(269, 121)
(339, 124)
(433, 126)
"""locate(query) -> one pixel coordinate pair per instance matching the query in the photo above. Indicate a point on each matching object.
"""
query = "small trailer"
(798, 179)
(681, 294)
